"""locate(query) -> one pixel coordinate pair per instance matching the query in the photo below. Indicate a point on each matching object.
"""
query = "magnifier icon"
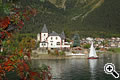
(109, 68)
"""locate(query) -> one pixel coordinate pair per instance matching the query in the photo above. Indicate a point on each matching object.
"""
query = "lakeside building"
(52, 40)
(105, 43)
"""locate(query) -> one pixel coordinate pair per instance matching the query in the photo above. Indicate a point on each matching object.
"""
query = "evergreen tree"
(76, 40)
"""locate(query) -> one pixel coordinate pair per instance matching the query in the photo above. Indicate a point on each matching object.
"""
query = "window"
(56, 38)
(58, 43)
(51, 38)
(51, 44)
(44, 44)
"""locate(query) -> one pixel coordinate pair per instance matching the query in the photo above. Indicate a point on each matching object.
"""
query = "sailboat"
(92, 54)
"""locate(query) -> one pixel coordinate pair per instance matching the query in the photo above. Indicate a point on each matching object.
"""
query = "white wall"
(52, 43)
(44, 36)
(65, 46)
(38, 37)
(63, 42)
(43, 45)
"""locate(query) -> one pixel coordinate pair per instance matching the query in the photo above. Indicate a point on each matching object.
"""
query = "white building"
(119, 44)
(52, 40)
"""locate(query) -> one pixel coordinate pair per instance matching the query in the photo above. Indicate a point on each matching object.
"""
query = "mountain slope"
(107, 16)
(86, 17)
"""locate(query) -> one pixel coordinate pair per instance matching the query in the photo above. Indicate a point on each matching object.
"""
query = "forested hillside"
(97, 18)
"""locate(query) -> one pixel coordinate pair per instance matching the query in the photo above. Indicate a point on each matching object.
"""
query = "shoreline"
(47, 56)
(55, 57)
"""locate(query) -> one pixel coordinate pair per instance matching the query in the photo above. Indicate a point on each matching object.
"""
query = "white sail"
(92, 51)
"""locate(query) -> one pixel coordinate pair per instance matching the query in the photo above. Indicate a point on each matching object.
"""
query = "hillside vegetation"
(97, 18)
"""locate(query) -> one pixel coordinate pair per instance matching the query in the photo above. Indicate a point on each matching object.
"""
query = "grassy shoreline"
(114, 50)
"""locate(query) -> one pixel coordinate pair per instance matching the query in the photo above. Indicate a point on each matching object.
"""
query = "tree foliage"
(12, 55)
(86, 46)
(76, 40)
(102, 22)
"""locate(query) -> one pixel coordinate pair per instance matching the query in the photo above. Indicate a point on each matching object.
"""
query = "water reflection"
(80, 69)
(58, 66)
(93, 65)
(64, 69)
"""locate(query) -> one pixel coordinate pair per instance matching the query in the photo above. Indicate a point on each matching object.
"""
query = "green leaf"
(12, 59)
(6, 8)
(15, 57)
(23, 17)
(15, 66)
(9, 64)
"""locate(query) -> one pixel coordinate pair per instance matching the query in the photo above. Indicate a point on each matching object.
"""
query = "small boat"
(75, 54)
(92, 54)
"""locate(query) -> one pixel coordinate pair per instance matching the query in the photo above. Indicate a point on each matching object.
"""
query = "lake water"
(81, 69)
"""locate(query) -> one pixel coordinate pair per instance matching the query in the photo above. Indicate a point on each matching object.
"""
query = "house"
(119, 44)
(52, 40)
(113, 45)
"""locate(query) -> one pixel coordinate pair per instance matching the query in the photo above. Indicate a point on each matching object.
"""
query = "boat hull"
(93, 57)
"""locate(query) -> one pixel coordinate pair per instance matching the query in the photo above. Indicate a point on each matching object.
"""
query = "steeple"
(44, 29)
(62, 35)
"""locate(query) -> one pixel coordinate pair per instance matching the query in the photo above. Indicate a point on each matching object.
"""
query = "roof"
(53, 34)
(62, 35)
(44, 29)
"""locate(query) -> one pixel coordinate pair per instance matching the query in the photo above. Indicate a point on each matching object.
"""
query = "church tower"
(44, 33)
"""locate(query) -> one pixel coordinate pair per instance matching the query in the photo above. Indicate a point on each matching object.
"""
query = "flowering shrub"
(16, 61)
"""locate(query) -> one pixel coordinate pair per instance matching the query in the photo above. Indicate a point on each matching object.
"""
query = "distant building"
(52, 40)
(119, 44)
